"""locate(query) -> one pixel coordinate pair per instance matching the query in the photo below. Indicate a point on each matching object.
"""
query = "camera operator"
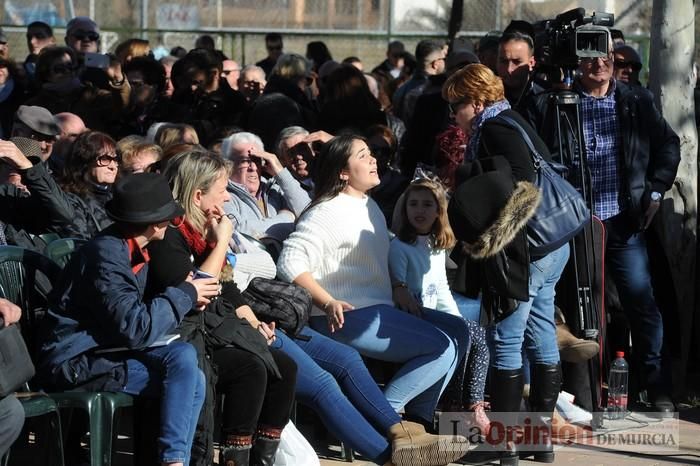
(11, 410)
(632, 155)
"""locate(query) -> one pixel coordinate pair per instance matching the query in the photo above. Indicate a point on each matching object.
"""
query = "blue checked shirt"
(603, 139)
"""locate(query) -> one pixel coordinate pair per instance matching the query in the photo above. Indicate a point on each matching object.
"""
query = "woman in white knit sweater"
(339, 252)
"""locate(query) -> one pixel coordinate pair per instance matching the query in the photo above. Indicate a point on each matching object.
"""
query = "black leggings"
(252, 397)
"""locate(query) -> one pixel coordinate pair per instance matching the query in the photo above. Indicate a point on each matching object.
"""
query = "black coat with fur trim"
(497, 265)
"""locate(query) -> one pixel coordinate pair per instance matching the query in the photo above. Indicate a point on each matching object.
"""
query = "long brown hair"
(85, 150)
(442, 235)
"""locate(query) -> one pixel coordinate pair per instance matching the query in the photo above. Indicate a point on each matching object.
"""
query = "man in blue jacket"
(98, 305)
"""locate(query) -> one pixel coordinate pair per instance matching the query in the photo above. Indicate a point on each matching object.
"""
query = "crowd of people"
(399, 199)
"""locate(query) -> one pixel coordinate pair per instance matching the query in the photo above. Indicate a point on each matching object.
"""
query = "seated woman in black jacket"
(258, 382)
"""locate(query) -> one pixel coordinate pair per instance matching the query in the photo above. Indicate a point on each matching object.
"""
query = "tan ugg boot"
(571, 348)
(412, 446)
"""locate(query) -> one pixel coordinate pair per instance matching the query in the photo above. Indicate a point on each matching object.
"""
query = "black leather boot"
(506, 389)
(263, 451)
(235, 456)
(545, 385)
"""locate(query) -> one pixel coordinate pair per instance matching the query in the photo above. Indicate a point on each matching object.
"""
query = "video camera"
(561, 42)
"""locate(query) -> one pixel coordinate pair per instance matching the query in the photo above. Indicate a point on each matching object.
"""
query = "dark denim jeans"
(532, 321)
(628, 264)
(170, 373)
(332, 380)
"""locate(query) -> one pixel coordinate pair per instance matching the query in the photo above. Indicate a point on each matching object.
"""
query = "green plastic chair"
(60, 250)
(26, 278)
(17, 278)
(49, 238)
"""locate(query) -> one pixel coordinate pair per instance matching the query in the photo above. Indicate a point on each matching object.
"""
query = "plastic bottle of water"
(617, 387)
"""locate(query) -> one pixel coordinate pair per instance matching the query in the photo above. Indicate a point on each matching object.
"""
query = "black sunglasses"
(104, 160)
(636, 66)
(38, 34)
(89, 36)
(454, 105)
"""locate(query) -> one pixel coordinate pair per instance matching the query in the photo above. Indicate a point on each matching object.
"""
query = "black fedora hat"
(489, 209)
(143, 199)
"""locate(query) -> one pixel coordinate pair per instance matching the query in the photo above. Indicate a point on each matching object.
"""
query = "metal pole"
(70, 9)
(390, 25)
(144, 19)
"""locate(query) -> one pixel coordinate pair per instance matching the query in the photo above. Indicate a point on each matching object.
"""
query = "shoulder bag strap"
(536, 157)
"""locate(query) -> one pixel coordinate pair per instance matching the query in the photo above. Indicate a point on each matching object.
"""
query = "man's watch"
(656, 196)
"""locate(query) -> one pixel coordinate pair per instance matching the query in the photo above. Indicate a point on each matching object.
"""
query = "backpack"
(286, 304)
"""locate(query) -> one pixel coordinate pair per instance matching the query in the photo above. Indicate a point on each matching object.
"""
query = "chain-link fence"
(349, 27)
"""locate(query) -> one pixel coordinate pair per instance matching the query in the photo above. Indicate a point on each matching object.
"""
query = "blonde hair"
(127, 145)
(442, 235)
(474, 83)
(129, 157)
(132, 48)
(171, 134)
(189, 172)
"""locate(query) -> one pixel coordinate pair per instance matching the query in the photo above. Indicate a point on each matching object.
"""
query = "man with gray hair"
(430, 60)
(251, 82)
(265, 198)
(632, 155)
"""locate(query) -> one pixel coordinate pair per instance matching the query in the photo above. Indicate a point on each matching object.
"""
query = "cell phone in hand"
(97, 60)
(200, 274)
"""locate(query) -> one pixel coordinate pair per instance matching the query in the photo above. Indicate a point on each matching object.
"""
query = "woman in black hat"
(103, 335)
(517, 287)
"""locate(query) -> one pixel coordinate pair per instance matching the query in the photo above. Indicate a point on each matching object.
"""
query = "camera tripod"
(584, 271)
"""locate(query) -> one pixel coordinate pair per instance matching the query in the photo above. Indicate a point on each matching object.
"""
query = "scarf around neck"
(489, 112)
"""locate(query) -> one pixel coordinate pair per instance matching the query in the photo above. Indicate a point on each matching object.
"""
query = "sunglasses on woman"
(104, 160)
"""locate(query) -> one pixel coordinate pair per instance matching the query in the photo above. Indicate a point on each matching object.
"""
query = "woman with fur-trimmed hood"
(489, 212)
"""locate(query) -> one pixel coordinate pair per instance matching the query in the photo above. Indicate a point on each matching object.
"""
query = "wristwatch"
(656, 196)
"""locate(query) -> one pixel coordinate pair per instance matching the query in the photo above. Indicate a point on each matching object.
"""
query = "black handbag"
(562, 213)
(16, 365)
(286, 304)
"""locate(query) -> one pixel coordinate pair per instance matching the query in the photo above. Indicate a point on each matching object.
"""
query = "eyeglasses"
(42, 137)
(591, 60)
(104, 160)
(245, 162)
(454, 106)
(635, 65)
(86, 36)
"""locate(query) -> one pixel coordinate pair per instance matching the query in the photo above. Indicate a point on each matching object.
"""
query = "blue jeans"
(533, 320)
(332, 380)
(170, 373)
(429, 349)
(468, 307)
(628, 264)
